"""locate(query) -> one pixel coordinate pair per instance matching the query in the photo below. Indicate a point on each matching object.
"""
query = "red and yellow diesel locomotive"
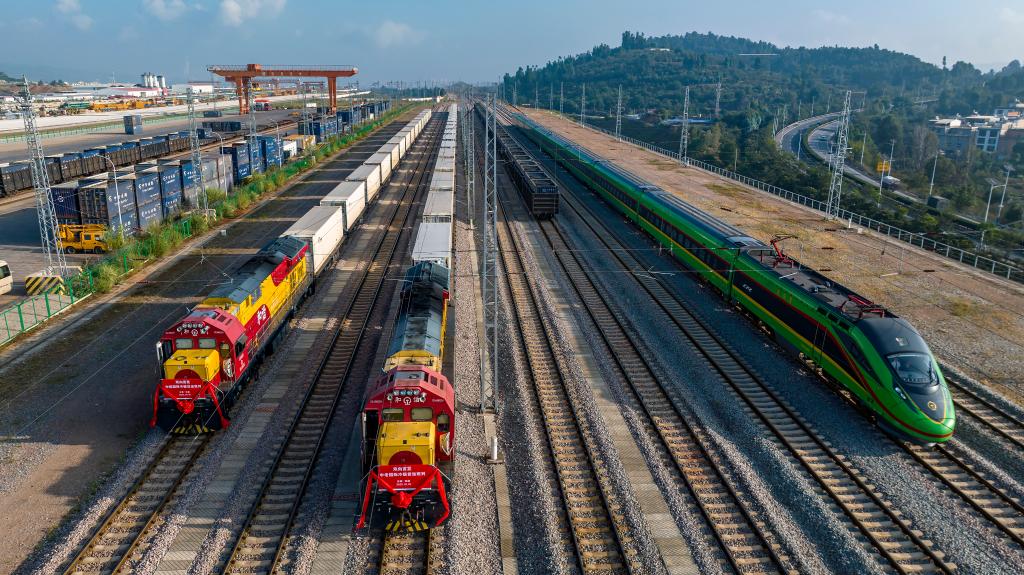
(408, 419)
(208, 356)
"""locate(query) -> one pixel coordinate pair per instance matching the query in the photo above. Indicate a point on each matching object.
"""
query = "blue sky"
(468, 40)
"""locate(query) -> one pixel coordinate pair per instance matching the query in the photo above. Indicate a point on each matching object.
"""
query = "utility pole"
(931, 184)
(583, 105)
(828, 107)
(536, 97)
(469, 144)
(488, 385)
(515, 92)
(813, 100)
(252, 123)
(55, 263)
(561, 98)
(835, 191)
(863, 146)
(718, 100)
(618, 116)
(551, 97)
(197, 159)
(881, 177)
(1002, 198)
(684, 132)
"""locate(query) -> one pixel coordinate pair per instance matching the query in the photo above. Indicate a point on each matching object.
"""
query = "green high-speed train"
(857, 344)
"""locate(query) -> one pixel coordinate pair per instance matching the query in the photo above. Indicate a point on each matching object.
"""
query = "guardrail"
(972, 259)
(33, 311)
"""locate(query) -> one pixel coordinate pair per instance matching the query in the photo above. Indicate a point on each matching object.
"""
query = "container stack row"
(140, 196)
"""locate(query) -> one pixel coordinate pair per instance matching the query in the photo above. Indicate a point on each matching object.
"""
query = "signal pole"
(583, 105)
(551, 97)
(618, 116)
(718, 100)
(561, 98)
(193, 141)
(488, 385)
(55, 263)
(835, 190)
(684, 132)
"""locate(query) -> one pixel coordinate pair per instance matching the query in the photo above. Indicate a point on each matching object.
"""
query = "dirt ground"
(972, 320)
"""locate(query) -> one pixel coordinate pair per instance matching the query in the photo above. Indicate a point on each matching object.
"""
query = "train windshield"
(913, 369)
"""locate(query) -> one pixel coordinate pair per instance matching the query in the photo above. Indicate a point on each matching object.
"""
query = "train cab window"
(240, 344)
(913, 369)
(422, 414)
(184, 343)
(392, 414)
(442, 422)
(207, 343)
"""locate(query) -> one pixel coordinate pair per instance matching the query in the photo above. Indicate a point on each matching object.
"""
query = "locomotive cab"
(408, 449)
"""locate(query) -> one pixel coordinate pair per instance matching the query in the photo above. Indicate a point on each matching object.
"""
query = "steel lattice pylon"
(684, 130)
(55, 262)
(193, 142)
(252, 131)
(618, 116)
(488, 385)
(835, 189)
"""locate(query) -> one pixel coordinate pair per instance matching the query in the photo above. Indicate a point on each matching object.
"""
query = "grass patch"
(961, 307)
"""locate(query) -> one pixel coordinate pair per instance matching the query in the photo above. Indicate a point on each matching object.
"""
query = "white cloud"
(81, 21)
(165, 9)
(73, 10)
(235, 12)
(1011, 15)
(830, 17)
(69, 6)
(391, 33)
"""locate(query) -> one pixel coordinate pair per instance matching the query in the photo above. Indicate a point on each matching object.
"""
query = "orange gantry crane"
(242, 76)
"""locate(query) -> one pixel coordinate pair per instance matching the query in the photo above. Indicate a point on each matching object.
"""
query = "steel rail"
(597, 523)
(115, 540)
(826, 466)
(319, 402)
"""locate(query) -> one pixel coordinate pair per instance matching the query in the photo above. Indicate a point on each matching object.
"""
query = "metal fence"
(30, 312)
(972, 259)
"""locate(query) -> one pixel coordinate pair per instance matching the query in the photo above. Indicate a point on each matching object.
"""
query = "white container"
(439, 207)
(400, 142)
(433, 244)
(382, 160)
(323, 228)
(392, 151)
(289, 149)
(351, 197)
(442, 181)
(445, 165)
(369, 173)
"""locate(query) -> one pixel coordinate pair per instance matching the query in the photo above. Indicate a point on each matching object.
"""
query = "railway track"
(881, 529)
(404, 553)
(121, 534)
(595, 518)
(989, 415)
(260, 545)
(745, 545)
(120, 537)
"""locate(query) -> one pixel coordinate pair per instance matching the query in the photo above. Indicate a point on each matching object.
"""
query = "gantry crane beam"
(243, 75)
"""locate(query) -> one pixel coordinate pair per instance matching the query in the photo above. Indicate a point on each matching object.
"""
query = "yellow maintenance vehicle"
(86, 238)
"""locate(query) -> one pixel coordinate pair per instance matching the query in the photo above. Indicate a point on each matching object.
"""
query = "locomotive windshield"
(913, 369)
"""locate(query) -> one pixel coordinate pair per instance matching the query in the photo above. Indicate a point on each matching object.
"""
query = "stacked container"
(145, 186)
(239, 154)
(133, 124)
(65, 202)
(271, 148)
(170, 187)
(108, 202)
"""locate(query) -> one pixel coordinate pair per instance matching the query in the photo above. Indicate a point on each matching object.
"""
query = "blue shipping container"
(170, 203)
(149, 214)
(99, 205)
(147, 187)
(241, 172)
(65, 203)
